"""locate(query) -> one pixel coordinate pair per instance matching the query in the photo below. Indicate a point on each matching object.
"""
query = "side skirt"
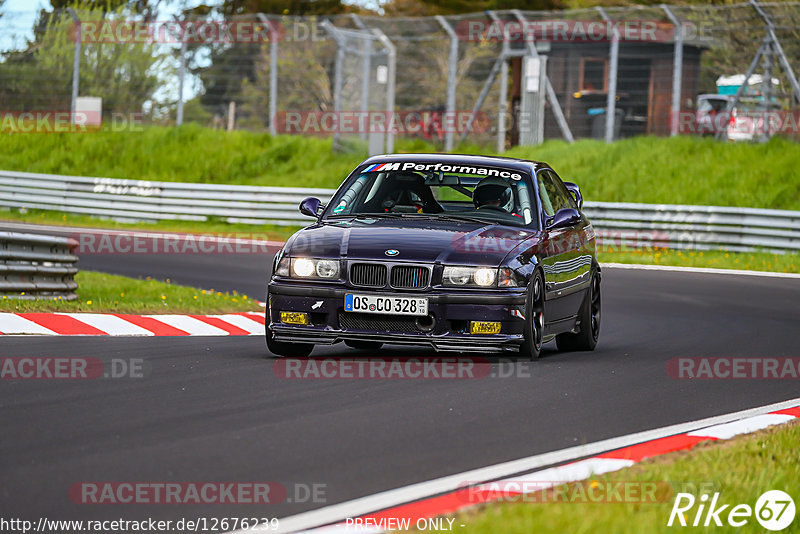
(570, 324)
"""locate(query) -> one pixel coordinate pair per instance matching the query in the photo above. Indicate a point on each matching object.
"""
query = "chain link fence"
(497, 79)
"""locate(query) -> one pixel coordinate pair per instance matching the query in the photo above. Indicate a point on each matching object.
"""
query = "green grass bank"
(681, 170)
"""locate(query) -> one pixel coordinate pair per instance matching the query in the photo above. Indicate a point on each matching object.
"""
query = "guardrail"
(36, 266)
(695, 227)
(629, 225)
(139, 200)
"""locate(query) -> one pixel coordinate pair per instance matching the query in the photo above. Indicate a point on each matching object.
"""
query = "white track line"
(413, 492)
(703, 270)
(110, 324)
(190, 325)
(245, 323)
(574, 471)
(14, 324)
(745, 426)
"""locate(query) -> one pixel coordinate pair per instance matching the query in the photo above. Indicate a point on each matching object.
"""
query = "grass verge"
(679, 170)
(740, 469)
(188, 153)
(751, 261)
(108, 293)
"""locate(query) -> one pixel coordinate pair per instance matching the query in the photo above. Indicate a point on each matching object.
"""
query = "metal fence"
(623, 225)
(37, 266)
(495, 78)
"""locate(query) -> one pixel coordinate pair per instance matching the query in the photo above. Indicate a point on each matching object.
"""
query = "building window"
(594, 75)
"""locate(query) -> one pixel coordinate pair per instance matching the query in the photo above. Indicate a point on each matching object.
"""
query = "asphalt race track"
(213, 409)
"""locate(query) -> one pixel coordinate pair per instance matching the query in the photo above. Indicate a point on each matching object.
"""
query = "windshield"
(489, 195)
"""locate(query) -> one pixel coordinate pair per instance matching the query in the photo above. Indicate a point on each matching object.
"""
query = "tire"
(533, 330)
(363, 345)
(287, 350)
(589, 319)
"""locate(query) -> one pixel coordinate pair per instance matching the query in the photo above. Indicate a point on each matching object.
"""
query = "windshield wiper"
(366, 216)
(396, 215)
(444, 217)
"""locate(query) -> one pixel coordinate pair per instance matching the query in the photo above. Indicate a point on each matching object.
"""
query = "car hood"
(425, 241)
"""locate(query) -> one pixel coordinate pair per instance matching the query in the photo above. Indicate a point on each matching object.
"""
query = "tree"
(304, 83)
(125, 75)
(284, 7)
(411, 8)
(146, 8)
(231, 67)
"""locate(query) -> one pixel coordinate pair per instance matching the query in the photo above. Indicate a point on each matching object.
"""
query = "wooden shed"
(579, 73)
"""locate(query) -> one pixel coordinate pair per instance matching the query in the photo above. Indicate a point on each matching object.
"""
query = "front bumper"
(452, 311)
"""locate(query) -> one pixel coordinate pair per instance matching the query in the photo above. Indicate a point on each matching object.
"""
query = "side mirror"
(563, 218)
(311, 206)
(575, 191)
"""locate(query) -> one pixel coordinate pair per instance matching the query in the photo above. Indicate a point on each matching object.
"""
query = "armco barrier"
(632, 225)
(37, 266)
(138, 200)
(695, 227)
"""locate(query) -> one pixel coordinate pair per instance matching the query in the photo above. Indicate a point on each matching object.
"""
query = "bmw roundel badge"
(392, 252)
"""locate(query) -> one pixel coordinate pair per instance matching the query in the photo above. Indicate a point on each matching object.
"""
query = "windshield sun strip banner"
(444, 167)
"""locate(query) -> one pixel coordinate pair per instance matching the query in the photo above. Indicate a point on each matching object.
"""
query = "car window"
(474, 192)
(719, 105)
(564, 192)
(553, 193)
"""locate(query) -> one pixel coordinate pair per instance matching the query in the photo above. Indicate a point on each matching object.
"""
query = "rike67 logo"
(774, 510)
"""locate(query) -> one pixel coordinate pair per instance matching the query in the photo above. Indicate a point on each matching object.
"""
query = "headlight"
(327, 268)
(475, 276)
(485, 277)
(309, 268)
(303, 267)
(457, 276)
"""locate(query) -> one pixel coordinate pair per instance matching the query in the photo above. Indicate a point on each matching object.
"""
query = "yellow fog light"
(294, 317)
(484, 327)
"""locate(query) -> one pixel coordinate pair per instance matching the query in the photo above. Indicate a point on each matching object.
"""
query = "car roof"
(518, 164)
(714, 96)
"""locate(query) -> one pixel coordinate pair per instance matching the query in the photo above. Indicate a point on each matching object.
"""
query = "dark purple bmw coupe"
(459, 253)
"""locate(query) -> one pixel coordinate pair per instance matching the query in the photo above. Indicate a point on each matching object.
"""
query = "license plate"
(294, 317)
(386, 304)
(484, 327)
